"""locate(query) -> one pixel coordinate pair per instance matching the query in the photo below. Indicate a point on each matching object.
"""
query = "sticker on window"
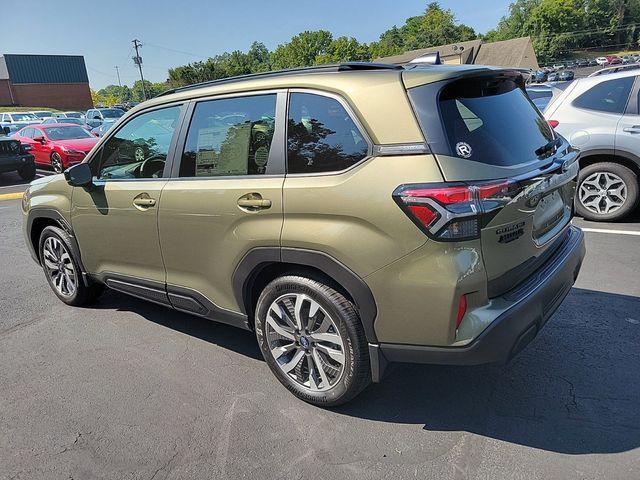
(463, 149)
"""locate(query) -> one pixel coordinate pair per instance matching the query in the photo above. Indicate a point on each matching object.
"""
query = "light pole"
(118, 73)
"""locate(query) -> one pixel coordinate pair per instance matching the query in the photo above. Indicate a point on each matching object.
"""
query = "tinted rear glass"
(489, 120)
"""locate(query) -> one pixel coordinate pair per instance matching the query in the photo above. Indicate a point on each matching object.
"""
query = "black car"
(15, 157)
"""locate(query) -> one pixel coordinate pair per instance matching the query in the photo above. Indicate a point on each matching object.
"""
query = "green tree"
(302, 50)
(436, 26)
(151, 89)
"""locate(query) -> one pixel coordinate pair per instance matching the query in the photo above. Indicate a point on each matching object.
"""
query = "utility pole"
(138, 61)
(118, 73)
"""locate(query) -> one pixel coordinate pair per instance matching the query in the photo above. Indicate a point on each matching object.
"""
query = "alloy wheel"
(602, 193)
(305, 342)
(56, 162)
(59, 266)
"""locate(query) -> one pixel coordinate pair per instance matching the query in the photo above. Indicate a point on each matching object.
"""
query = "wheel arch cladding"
(40, 218)
(626, 159)
(262, 264)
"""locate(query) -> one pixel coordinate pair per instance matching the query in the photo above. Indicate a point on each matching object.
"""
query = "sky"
(178, 32)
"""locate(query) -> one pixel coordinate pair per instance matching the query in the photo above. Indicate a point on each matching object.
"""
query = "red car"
(613, 60)
(59, 145)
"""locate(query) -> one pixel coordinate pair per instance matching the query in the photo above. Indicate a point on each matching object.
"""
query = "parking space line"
(11, 196)
(603, 230)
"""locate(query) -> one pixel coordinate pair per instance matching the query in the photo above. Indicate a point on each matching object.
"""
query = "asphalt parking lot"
(130, 390)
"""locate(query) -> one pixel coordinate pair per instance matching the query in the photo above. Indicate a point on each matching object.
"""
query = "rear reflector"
(553, 123)
(462, 309)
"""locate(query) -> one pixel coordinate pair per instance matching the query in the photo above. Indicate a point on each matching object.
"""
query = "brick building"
(54, 81)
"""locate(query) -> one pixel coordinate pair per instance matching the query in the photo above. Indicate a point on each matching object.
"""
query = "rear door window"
(229, 137)
(488, 119)
(610, 96)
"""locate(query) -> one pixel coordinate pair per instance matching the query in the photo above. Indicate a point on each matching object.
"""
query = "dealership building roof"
(21, 69)
(517, 53)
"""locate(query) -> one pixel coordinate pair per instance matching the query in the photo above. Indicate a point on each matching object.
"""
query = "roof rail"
(338, 67)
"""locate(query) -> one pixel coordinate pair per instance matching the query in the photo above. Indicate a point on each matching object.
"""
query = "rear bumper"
(11, 163)
(532, 304)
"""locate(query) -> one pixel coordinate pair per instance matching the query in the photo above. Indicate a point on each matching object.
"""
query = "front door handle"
(253, 202)
(143, 201)
(634, 129)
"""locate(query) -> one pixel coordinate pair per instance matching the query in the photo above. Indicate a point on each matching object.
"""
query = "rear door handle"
(253, 202)
(634, 129)
(143, 201)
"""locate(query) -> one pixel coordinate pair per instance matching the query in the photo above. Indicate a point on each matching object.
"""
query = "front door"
(225, 200)
(115, 221)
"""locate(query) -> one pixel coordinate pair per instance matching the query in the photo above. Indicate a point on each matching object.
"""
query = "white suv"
(600, 116)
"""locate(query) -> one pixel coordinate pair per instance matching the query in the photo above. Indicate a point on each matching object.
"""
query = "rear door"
(627, 139)
(488, 130)
(224, 198)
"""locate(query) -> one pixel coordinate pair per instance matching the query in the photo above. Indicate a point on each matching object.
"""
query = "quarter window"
(610, 96)
(139, 149)
(321, 136)
(230, 136)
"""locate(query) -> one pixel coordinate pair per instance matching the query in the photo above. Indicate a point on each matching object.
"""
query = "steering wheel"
(152, 166)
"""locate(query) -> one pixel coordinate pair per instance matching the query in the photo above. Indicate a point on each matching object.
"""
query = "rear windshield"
(489, 120)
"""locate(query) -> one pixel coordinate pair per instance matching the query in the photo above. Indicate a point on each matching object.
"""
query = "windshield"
(22, 117)
(73, 114)
(489, 120)
(112, 113)
(44, 114)
(66, 133)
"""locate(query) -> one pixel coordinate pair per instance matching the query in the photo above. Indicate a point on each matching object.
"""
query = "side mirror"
(6, 130)
(79, 175)
(39, 139)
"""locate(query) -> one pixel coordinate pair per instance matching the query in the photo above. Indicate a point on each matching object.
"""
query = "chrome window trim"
(278, 134)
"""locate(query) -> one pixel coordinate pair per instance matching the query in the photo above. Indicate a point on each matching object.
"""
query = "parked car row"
(600, 116)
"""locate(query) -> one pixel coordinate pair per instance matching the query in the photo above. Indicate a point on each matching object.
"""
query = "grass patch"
(26, 109)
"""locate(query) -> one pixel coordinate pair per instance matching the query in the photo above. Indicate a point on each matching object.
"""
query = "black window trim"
(93, 158)
(354, 118)
(277, 152)
(605, 79)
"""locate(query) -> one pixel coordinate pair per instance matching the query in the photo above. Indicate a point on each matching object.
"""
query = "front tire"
(62, 269)
(312, 339)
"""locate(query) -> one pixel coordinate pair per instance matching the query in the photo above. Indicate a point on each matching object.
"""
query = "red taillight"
(553, 123)
(451, 212)
(423, 213)
(462, 309)
(446, 195)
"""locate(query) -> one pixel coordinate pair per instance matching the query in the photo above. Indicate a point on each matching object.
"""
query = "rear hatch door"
(485, 131)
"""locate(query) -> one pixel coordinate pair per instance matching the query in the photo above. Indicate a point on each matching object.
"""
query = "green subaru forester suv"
(350, 215)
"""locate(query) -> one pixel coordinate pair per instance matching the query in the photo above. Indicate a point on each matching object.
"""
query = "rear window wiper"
(548, 147)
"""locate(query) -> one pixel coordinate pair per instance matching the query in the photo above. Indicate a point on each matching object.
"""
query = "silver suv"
(600, 116)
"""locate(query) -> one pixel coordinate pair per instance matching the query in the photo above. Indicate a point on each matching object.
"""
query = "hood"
(82, 144)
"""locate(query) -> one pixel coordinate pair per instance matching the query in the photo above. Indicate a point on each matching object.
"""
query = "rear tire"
(56, 162)
(62, 269)
(606, 192)
(27, 172)
(312, 339)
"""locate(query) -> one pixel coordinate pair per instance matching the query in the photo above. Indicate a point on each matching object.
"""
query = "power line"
(177, 51)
